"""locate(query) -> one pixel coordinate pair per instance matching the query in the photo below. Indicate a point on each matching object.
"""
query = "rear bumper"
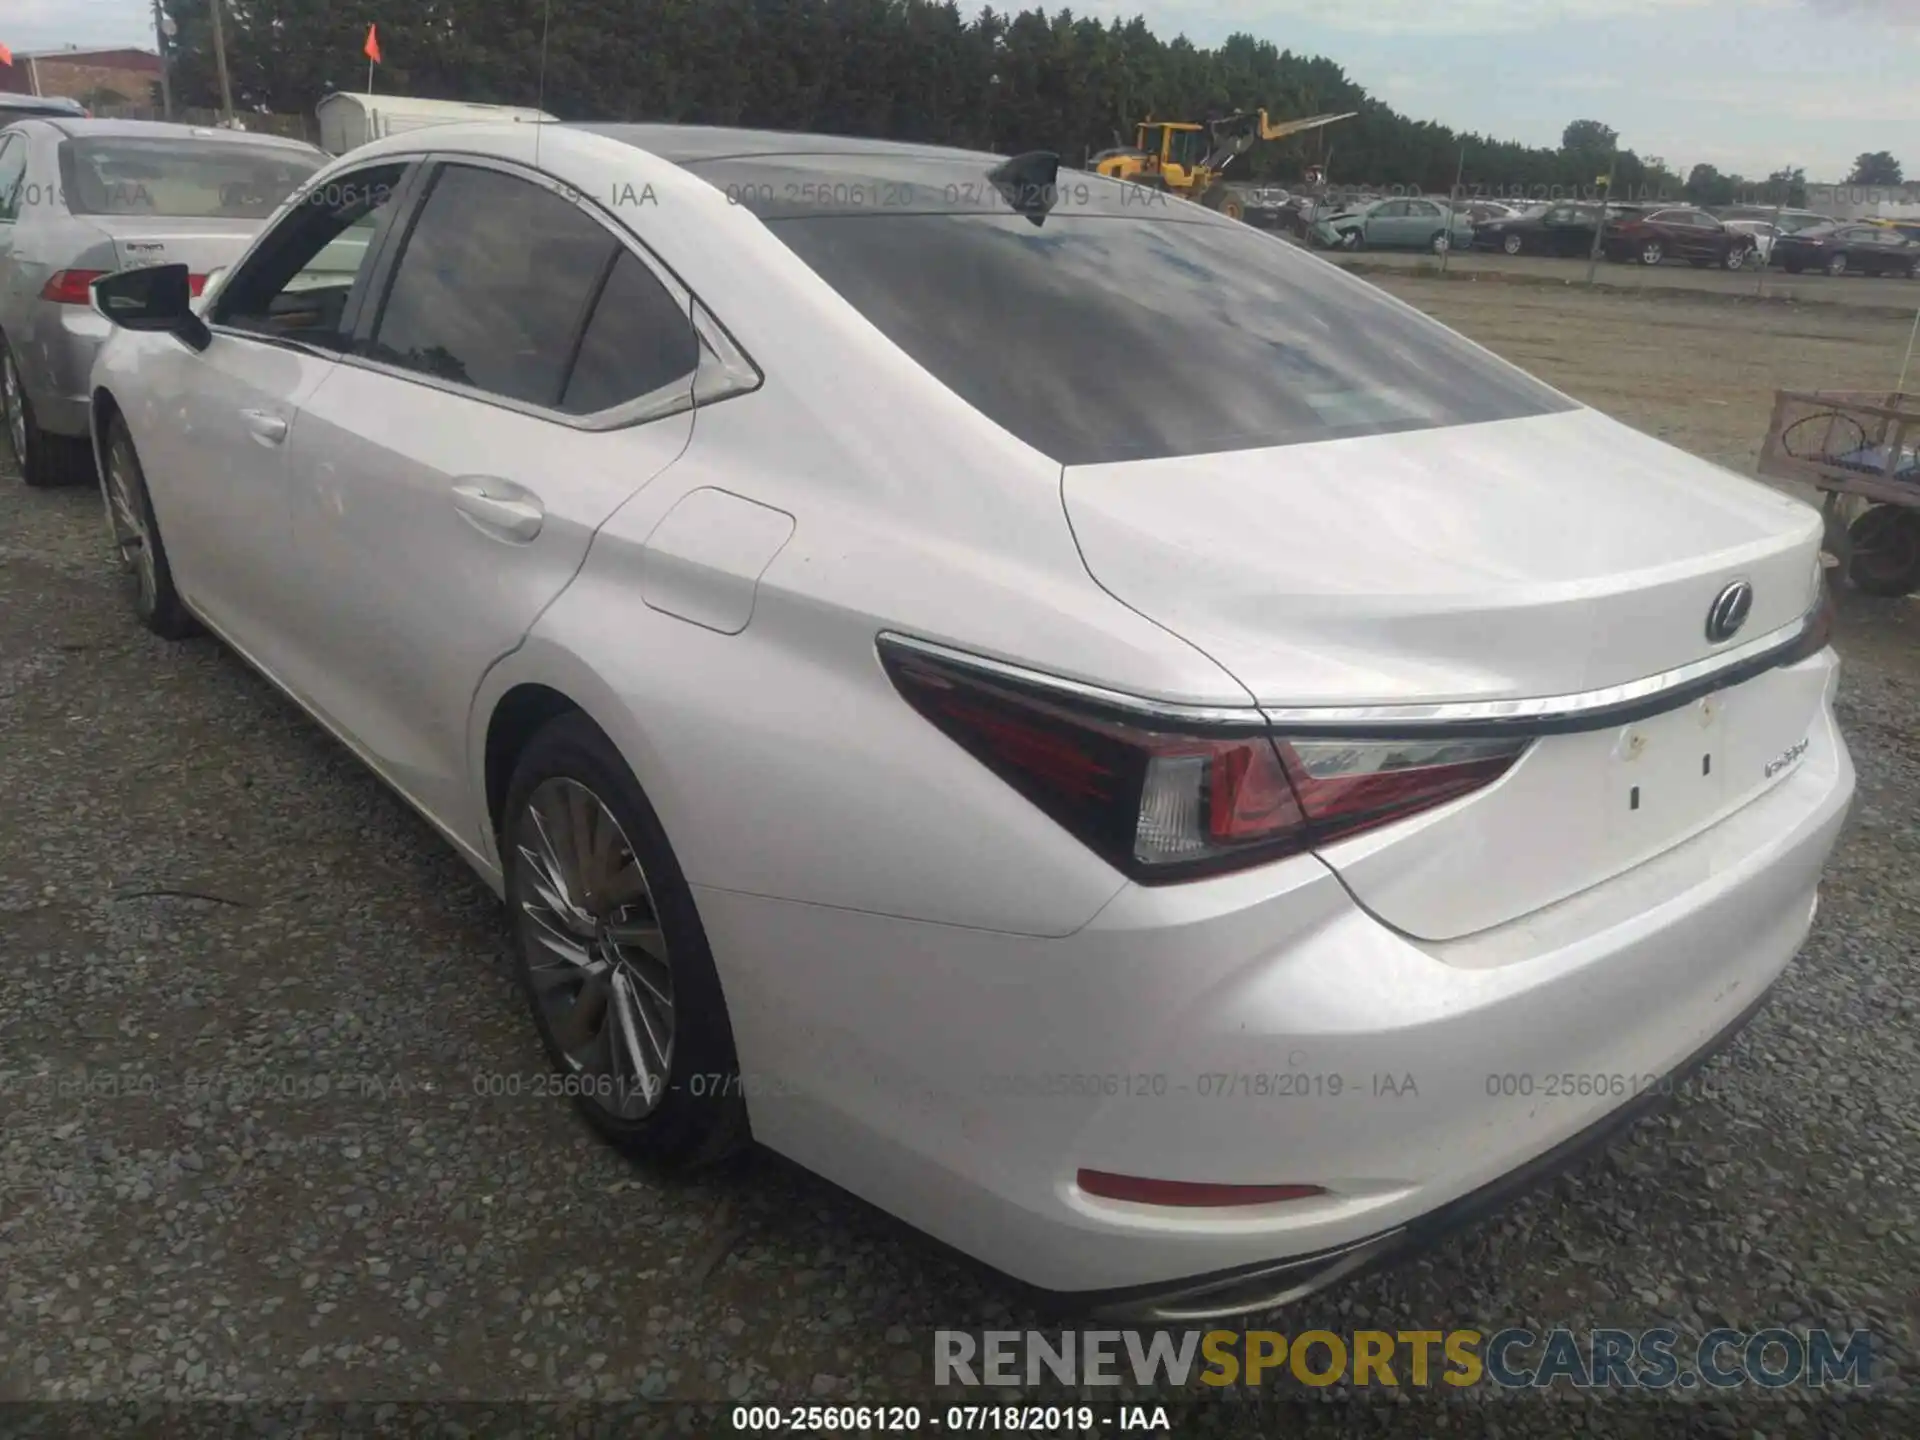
(1258, 1028)
(1263, 1286)
(58, 365)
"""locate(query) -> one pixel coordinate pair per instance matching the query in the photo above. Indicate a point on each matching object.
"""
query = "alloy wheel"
(1652, 253)
(1511, 244)
(12, 405)
(127, 520)
(1837, 265)
(597, 959)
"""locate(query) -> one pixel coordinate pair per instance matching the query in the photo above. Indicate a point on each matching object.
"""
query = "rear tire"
(1884, 552)
(672, 1094)
(1736, 257)
(136, 538)
(1837, 266)
(44, 460)
(1513, 244)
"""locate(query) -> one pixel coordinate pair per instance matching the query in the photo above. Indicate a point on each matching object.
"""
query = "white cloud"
(1893, 12)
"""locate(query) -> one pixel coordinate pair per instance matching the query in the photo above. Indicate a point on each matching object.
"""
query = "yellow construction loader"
(1187, 158)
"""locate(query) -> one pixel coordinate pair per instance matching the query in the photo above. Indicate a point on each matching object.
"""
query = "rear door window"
(639, 341)
(1120, 331)
(492, 289)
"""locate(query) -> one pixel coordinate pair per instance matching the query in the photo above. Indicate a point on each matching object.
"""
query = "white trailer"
(348, 119)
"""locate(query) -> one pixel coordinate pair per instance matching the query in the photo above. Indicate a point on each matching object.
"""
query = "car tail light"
(70, 287)
(1819, 630)
(1166, 800)
(1188, 1193)
(75, 287)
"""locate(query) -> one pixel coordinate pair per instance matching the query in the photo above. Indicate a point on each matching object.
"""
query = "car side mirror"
(153, 297)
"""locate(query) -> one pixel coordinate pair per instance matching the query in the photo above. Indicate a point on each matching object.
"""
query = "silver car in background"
(83, 198)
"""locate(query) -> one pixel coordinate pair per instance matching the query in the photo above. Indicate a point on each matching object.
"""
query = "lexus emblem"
(1729, 611)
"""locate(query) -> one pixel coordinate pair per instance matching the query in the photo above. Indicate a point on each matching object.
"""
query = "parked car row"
(1641, 234)
(992, 799)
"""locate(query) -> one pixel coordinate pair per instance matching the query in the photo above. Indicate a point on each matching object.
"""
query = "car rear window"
(1123, 330)
(226, 179)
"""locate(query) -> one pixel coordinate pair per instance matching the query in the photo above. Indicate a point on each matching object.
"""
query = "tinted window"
(493, 286)
(640, 339)
(118, 175)
(297, 284)
(1105, 338)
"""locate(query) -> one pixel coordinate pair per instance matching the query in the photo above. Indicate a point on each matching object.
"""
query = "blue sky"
(1747, 85)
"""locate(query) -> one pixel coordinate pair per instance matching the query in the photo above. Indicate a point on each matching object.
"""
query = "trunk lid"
(1536, 557)
(199, 244)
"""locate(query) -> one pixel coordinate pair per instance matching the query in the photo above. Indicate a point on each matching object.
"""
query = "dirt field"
(1699, 373)
(204, 896)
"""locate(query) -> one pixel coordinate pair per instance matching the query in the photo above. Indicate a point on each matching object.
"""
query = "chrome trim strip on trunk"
(1236, 717)
(1550, 714)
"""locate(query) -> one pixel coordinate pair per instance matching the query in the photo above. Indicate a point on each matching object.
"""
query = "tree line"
(904, 69)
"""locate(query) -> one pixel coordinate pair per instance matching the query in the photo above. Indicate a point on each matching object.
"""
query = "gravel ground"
(250, 1002)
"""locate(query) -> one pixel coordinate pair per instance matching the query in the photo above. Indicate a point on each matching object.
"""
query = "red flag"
(6, 56)
(372, 48)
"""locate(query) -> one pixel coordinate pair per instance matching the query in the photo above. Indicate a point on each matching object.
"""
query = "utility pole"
(220, 60)
(160, 24)
(1453, 199)
(1760, 284)
(1600, 220)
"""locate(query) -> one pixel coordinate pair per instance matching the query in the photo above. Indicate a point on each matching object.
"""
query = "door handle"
(514, 517)
(265, 426)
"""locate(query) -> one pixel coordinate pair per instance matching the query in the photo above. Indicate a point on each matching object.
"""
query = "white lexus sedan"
(1082, 723)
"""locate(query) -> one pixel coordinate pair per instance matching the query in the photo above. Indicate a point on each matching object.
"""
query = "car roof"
(782, 175)
(81, 128)
(688, 144)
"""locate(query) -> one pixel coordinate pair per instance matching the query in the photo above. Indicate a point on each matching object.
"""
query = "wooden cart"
(1856, 446)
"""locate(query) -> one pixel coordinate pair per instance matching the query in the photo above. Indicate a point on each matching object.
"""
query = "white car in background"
(1764, 232)
(1113, 740)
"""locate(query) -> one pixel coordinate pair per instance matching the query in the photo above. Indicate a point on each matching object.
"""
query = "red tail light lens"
(1162, 802)
(1819, 630)
(70, 287)
(1188, 1193)
(75, 287)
